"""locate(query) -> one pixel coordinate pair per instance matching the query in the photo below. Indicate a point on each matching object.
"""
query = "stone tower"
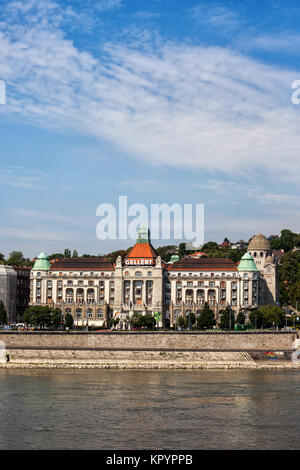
(260, 249)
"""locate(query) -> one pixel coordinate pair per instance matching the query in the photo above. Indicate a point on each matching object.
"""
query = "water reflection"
(107, 409)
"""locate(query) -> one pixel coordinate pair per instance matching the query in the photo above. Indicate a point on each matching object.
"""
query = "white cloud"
(177, 105)
(214, 16)
(23, 178)
(284, 41)
(104, 5)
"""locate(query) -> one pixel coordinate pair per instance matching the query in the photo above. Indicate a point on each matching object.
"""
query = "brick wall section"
(163, 341)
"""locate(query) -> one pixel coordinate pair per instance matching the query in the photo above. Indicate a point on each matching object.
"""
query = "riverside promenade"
(149, 350)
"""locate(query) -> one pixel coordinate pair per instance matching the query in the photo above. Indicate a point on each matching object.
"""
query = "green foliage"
(182, 322)
(56, 256)
(267, 316)
(42, 316)
(3, 314)
(143, 321)
(210, 246)
(289, 277)
(114, 321)
(69, 320)
(240, 319)
(16, 258)
(75, 254)
(165, 252)
(182, 250)
(112, 257)
(67, 253)
(206, 319)
(227, 319)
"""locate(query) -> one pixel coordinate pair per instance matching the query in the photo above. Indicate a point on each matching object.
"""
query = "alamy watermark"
(165, 221)
(296, 95)
(296, 353)
(2, 92)
(3, 355)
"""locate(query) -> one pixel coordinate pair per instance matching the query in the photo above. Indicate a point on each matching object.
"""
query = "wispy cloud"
(104, 5)
(214, 16)
(23, 178)
(178, 105)
(280, 42)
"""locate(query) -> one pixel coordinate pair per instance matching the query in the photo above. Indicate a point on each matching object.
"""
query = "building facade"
(94, 290)
(8, 291)
(23, 290)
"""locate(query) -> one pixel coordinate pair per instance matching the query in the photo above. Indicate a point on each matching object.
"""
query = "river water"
(123, 409)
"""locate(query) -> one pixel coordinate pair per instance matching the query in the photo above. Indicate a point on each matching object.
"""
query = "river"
(132, 409)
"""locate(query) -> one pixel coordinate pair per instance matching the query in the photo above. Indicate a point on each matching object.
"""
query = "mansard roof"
(142, 250)
(203, 264)
(82, 264)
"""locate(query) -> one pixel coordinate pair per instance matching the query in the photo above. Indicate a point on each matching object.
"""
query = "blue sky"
(162, 101)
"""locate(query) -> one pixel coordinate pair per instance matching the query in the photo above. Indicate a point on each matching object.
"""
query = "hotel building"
(94, 290)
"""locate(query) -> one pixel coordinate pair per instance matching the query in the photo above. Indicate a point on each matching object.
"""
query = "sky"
(164, 101)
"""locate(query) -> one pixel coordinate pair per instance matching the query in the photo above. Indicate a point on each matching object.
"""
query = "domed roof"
(42, 263)
(247, 263)
(259, 242)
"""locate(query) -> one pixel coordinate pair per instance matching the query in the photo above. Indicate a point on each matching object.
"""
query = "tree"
(69, 320)
(67, 253)
(143, 321)
(56, 256)
(55, 317)
(16, 258)
(3, 314)
(240, 319)
(181, 250)
(182, 322)
(227, 319)
(75, 254)
(114, 321)
(210, 246)
(206, 319)
(287, 239)
(38, 316)
(256, 319)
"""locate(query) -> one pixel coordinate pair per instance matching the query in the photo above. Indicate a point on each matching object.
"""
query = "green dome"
(247, 263)
(42, 263)
(174, 258)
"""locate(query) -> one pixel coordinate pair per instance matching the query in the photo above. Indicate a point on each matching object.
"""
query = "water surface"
(123, 409)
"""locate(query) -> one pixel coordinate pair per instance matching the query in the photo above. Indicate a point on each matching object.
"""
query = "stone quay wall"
(148, 341)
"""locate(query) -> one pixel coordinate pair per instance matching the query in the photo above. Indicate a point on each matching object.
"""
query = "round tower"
(260, 249)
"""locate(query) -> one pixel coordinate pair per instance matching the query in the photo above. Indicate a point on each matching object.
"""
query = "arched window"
(138, 274)
(99, 313)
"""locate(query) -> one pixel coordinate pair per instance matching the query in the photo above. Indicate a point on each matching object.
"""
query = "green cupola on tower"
(42, 263)
(143, 235)
(247, 263)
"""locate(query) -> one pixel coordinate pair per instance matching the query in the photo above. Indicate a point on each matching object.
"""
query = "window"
(190, 274)
(99, 313)
(70, 283)
(212, 274)
(138, 274)
(127, 273)
(149, 274)
(38, 274)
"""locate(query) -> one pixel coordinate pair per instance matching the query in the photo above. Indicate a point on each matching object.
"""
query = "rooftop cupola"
(143, 235)
(42, 263)
(247, 263)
